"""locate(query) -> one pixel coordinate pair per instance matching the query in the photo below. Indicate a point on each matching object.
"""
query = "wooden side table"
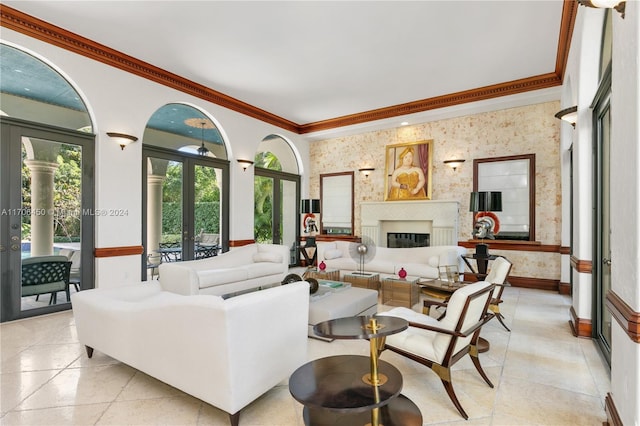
(363, 280)
(327, 274)
(400, 291)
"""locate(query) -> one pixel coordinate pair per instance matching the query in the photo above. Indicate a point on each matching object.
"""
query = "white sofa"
(226, 352)
(240, 269)
(421, 262)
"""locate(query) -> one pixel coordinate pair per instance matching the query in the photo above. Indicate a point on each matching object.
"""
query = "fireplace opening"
(407, 240)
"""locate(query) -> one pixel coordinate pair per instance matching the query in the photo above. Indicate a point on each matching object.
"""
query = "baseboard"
(525, 282)
(564, 288)
(580, 327)
(613, 418)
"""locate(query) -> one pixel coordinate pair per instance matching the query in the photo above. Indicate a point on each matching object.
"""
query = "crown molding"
(26, 24)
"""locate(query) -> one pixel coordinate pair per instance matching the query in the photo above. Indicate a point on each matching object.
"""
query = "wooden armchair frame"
(443, 369)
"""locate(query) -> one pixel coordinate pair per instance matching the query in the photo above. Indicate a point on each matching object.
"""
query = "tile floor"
(543, 376)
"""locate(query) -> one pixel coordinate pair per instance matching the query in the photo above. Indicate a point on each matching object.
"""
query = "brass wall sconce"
(454, 164)
(618, 5)
(366, 171)
(570, 115)
(122, 139)
(245, 164)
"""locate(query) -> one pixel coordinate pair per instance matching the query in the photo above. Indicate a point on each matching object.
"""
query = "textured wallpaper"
(514, 131)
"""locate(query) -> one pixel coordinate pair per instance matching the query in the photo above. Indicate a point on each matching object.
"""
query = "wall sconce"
(454, 164)
(245, 164)
(605, 4)
(366, 171)
(122, 139)
(570, 115)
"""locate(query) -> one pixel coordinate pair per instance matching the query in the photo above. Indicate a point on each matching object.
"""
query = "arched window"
(185, 187)
(277, 194)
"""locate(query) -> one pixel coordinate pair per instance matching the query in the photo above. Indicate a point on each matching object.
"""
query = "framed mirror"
(336, 203)
(514, 176)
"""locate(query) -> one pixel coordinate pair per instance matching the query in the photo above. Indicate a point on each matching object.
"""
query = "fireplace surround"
(439, 218)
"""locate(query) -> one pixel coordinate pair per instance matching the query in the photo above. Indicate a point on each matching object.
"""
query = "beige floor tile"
(14, 387)
(525, 402)
(164, 411)
(80, 386)
(143, 386)
(59, 416)
(43, 357)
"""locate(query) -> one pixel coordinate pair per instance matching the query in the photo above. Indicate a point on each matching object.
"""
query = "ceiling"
(308, 62)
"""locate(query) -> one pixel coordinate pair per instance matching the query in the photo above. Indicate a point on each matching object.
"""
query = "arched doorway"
(46, 187)
(185, 187)
(277, 194)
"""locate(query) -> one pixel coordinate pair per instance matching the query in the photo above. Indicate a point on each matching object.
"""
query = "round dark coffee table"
(354, 390)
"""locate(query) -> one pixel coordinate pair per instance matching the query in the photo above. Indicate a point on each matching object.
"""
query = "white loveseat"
(421, 262)
(240, 269)
(226, 352)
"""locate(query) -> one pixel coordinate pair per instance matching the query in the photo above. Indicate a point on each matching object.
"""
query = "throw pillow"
(267, 257)
(332, 254)
(434, 261)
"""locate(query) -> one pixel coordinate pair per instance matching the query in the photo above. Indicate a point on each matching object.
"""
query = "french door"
(602, 261)
(185, 209)
(46, 209)
(276, 212)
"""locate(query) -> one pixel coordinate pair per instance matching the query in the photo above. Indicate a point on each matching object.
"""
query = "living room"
(563, 260)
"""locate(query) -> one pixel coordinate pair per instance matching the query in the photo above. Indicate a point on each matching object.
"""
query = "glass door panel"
(263, 209)
(207, 211)
(47, 218)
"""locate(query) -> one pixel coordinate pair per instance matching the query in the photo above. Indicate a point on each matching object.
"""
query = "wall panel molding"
(581, 266)
(613, 418)
(118, 251)
(628, 319)
(240, 243)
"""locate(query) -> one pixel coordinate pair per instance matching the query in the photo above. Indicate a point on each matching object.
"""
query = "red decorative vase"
(322, 266)
(402, 273)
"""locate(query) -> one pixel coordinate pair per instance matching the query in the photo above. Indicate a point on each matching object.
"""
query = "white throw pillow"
(434, 261)
(332, 254)
(267, 257)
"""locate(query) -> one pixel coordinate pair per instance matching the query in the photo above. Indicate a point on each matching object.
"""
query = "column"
(154, 211)
(42, 214)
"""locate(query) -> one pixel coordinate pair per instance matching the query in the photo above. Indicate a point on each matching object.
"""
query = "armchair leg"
(452, 395)
(234, 419)
(476, 362)
(500, 317)
(89, 350)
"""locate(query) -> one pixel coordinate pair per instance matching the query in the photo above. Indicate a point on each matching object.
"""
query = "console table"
(354, 390)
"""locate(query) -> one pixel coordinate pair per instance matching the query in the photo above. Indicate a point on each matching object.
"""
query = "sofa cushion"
(332, 254)
(434, 261)
(215, 277)
(262, 269)
(266, 256)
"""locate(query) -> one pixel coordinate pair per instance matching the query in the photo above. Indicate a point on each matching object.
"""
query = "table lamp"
(483, 227)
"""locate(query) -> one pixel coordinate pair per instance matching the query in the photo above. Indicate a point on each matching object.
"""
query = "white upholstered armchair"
(440, 343)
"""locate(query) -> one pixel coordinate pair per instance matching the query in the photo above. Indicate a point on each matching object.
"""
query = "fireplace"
(407, 240)
(438, 218)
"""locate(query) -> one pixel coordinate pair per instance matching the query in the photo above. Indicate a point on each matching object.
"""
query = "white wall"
(625, 202)
(123, 102)
(625, 182)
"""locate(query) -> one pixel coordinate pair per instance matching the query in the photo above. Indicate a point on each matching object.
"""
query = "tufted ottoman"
(350, 302)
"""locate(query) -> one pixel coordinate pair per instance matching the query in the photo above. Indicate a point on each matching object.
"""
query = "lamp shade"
(485, 201)
(310, 206)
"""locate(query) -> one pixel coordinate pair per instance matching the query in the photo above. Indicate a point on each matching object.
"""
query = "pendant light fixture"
(202, 123)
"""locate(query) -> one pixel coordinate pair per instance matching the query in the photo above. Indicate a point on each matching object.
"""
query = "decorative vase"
(322, 266)
(402, 273)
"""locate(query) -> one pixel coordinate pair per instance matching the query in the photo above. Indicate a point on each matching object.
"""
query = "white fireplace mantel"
(442, 217)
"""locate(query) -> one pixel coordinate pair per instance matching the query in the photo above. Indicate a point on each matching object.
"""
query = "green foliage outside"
(66, 195)
(263, 198)
(207, 206)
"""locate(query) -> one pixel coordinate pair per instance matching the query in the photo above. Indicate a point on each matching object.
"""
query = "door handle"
(606, 261)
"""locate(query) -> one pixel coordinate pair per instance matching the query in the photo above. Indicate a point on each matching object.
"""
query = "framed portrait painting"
(408, 171)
